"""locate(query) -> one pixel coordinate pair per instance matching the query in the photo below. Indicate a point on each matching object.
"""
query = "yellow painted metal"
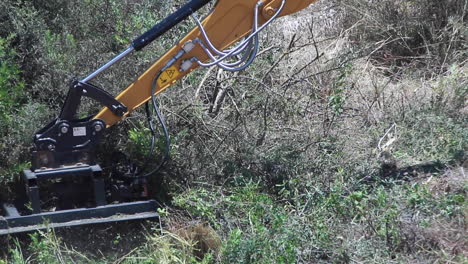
(229, 21)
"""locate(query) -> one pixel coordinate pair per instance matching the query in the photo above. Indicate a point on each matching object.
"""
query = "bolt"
(270, 11)
(98, 127)
(51, 147)
(64, 129)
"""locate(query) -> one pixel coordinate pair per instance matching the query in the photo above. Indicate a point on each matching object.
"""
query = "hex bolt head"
(64, 129)
(98, 127)
(271, 11)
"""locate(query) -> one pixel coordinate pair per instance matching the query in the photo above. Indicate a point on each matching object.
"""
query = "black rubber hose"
(142, 175)
(163, 126)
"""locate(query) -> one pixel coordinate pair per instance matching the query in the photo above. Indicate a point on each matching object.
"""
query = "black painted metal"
(168, 23)
(33, 194)
(64, 156)
(72, 102)
(79, 89)
(67, 143)
(80, 171)
(83, 216)
(99, 191)
(13, 221)
(32, 180)
(10, 210)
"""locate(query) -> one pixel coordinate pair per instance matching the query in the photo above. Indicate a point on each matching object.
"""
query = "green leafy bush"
(12, 96)
(11, 85)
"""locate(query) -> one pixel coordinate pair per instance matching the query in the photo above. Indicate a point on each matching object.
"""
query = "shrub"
(11, 98)
(400, 33)
(281, 159)
(11, 85)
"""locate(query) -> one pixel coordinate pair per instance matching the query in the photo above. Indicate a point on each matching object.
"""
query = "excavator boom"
(229, 22)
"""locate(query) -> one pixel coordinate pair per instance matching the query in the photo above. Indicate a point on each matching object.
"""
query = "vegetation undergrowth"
(345, 142)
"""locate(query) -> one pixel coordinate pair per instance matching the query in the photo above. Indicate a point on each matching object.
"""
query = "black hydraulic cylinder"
(168, 23)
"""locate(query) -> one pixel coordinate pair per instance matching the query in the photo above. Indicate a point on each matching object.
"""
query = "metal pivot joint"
(79, 89)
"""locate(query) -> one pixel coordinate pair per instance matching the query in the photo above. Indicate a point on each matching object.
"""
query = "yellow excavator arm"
(228, 22)
(66, 147)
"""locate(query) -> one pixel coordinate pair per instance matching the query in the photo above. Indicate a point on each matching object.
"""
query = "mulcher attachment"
(65, 186)
(27, 214)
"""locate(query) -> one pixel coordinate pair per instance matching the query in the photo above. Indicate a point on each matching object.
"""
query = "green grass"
(286, 171)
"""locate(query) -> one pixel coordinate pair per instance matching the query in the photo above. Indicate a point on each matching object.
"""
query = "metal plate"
(82, 216)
